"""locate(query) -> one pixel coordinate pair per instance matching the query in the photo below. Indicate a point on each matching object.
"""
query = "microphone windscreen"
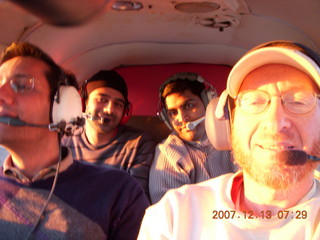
(293, 157)
(190, 126)
(12, 121)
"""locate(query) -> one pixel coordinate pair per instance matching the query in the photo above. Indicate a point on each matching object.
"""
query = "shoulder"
(317, 182)
(77, 139)
(213, 190)
(101, 185)
(203, 188)
(172, 140)
(100, 173)
(133, 133)
(173, 147)
(171, 150)
(196, 197)
(109, 182)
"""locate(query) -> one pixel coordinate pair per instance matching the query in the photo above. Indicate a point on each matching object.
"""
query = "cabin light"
(127, 5)
(197, 7)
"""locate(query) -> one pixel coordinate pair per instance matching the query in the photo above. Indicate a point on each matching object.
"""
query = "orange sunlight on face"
(257, 139)
(183, 108)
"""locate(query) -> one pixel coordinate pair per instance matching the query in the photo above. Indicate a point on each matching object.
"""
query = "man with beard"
(186, 156)
(105, 139)
(272, 98)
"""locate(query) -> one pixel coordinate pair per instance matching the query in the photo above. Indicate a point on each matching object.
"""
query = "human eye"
(119, 104)
(189, 105)
(172, 112)
(22, 83)
(101, 99)
(253, 101)
(299, 102)
(299, 98)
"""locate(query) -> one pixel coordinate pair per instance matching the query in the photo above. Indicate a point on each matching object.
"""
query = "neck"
(258, 198)
(97, 138)
(32, 156)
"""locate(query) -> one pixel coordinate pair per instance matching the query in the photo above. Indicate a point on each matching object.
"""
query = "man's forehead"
(175, 100)
(107, 92)
(24, 65)
(274, 73)
(288, 53)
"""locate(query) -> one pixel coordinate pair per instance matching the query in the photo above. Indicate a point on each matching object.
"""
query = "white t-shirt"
(206, 211)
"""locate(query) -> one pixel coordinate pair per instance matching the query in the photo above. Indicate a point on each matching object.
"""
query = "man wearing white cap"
(272, 101)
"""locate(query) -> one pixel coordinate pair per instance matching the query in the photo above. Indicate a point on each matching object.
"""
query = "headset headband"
(207, 93)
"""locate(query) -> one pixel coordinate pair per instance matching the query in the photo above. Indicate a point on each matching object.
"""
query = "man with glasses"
(272, 106)
(44, 194)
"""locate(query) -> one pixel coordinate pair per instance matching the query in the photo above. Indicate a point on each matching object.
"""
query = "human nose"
(6, 92)
(181, 117)
(275, 118)
(108, 107)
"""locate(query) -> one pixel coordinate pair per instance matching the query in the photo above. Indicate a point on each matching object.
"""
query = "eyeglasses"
(20, 83)
(296, 102)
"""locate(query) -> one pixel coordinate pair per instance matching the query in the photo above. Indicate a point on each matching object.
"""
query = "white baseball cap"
(290, 54)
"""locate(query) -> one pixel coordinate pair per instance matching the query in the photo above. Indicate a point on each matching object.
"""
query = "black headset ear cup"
(218, 130)
(206, 96)
(67, 104)
(164, 117)
(208, 93)
(83, 95)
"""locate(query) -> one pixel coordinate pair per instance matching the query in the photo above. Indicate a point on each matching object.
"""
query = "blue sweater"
(89, 202)
(130, 150)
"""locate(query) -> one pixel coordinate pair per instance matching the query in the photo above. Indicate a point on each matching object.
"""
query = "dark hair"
(105, 78)
(181, 82)
(55, 76)
(71, 79)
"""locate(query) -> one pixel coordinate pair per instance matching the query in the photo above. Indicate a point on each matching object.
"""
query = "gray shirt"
(178, 162)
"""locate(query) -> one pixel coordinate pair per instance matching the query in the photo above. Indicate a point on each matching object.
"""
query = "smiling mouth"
(5, 113)
(276, 147)
(106, 118)
(184, 128)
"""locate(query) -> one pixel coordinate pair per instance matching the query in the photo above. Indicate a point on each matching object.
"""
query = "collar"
(10, 171)
(116, 132)
(238, 188)
(204, 142)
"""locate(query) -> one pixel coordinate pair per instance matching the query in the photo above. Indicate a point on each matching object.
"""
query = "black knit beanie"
(109, 79)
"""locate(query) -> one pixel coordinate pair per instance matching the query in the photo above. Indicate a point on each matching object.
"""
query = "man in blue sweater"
(44, 193)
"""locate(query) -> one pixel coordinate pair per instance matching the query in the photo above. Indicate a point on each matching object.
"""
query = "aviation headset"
(208, 92)
(113, 80)
(218, 112)
(66, 104)
(65, 101)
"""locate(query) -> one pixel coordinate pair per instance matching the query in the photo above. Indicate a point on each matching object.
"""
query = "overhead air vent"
(197, 7)
(127, 5)
(219, 21)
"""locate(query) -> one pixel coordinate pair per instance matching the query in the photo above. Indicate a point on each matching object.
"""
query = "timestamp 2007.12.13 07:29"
(266, 214)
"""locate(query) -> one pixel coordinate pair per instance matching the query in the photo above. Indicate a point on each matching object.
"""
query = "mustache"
(275, 137)
(108, 116)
